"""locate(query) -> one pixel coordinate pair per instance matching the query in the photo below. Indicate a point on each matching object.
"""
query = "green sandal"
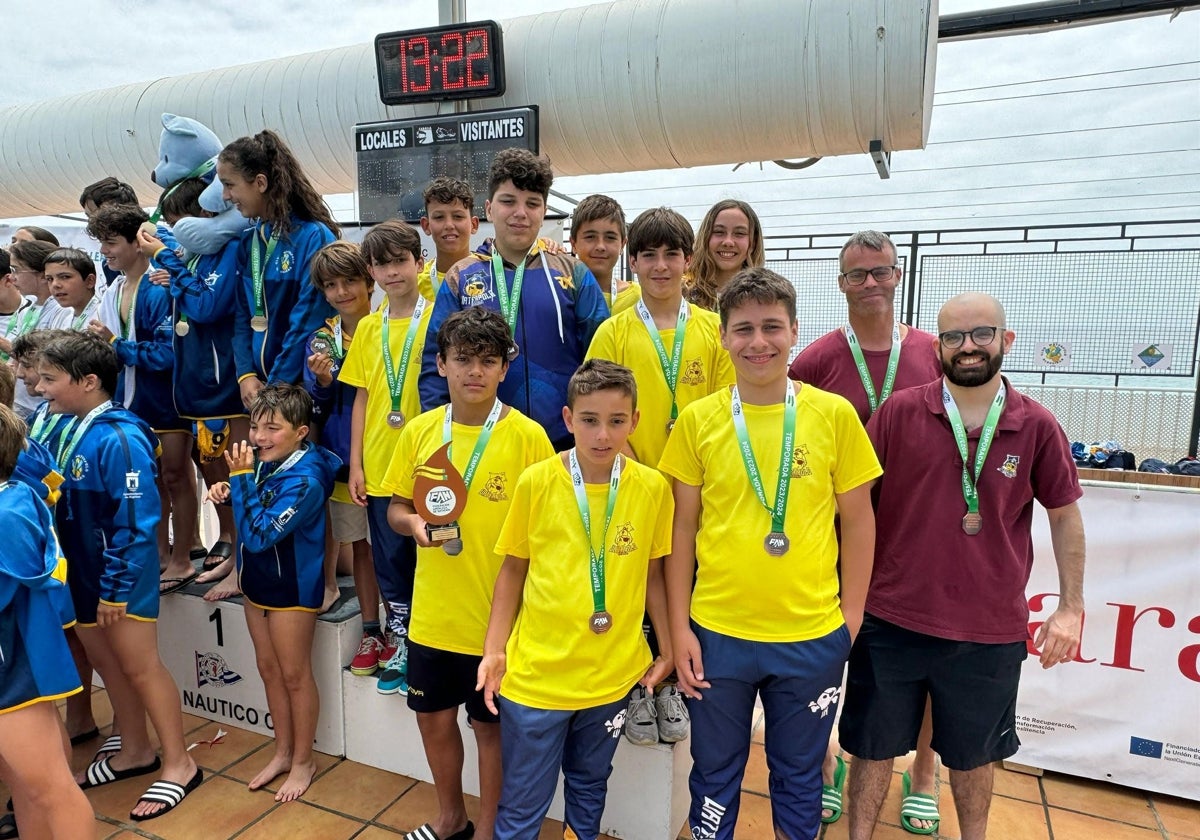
(831, 795)
(917, 806)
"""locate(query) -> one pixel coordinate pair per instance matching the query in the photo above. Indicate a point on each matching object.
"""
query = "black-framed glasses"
(980, 337)
(859, 275)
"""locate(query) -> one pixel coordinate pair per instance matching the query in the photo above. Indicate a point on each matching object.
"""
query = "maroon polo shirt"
(929, 575)
(828, 365)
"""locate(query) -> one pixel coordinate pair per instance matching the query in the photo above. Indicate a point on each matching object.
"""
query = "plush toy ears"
(186, 127)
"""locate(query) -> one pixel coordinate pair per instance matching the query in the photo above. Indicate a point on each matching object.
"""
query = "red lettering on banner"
(1036, 604)
(1127, 619)
(1189, 657)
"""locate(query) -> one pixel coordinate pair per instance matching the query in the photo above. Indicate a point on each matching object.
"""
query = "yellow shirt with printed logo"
(452, 596)
(741, 590)
(705, 368)
(555, 661)
(363, 368)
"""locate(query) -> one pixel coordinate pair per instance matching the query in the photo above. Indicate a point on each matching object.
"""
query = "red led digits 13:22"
(443, 62)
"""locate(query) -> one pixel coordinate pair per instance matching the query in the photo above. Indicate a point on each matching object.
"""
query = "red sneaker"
(366, 660)
(388, 650)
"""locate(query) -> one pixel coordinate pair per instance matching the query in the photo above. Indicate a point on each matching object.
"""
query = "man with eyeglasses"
(964, 458)
(865, 361)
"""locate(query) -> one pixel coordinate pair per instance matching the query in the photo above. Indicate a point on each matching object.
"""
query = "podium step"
(207, 648)
(647, 791)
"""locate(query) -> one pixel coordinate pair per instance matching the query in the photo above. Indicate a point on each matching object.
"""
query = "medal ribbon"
(485, 434)
(509, 304)
(395, 383)
(258, 268)
(78, 322)
(670, 367)
(127, 327)
(970, 483)
(40, 432)
(79, 431)
(779, 511)
(191, 264)
(864, 374)
(597, 561)
(284, 467)
(20, 326)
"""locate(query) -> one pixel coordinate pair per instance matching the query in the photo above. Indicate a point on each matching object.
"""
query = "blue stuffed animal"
(189, 149)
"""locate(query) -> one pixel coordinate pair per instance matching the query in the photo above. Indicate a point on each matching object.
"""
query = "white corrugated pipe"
(626, 86)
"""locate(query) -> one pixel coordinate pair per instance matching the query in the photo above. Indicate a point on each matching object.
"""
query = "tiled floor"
(350, 800)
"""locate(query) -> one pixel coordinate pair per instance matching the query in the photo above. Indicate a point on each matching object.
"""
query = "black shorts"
(972, 688)
(441, 679)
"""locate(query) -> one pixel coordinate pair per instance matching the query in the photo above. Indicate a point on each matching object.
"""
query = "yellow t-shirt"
(626, 298)
(363, 368)
(427, 278)
(741, 590)
(555, 661)
(705, 368)
(452, 596)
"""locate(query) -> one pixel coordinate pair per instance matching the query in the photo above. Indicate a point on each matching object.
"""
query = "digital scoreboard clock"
(459, 61)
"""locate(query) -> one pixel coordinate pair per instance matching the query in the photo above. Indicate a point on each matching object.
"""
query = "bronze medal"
(259, 323)
(320, 345)
(182, 328)
(513, 351)
(600, 622)
(395, 419)
(777, 543)
(453, 547)
(972, 523)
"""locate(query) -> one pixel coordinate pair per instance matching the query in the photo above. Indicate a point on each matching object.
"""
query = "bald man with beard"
(964, 459)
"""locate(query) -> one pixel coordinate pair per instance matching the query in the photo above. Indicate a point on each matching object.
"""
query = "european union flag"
(1146, 747)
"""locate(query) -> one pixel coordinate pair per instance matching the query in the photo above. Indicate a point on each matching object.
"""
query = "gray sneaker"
(672, 714)
(640, 727)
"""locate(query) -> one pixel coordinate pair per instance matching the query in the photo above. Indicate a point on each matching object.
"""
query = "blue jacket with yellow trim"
(109, 511)
(556, 319)
(33, 577)
(293, 306)
(205, 380)
(281, 528)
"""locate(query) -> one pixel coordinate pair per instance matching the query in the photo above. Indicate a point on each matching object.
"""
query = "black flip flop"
(169, 794)
(221, 549)
(175, 584)
(101, 772)
(76, 740)
(8, 827)
(197, 554)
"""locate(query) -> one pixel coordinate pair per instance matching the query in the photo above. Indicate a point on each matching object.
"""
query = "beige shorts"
(349, 522)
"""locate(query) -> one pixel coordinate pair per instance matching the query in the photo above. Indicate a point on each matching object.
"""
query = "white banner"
(1127, 710)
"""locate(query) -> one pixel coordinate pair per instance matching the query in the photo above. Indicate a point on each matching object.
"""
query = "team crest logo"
(1054, 353)
(286, 261)
(693, 372)
(211, 280)
(132, 480)
(474, 289)
(493, 489)
(1009, 468)
(800, 467)
(211, 669)
(79, 467)
(825, 703)
(623, 542)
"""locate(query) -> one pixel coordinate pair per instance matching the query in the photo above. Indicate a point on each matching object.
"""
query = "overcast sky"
(1098, 123)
